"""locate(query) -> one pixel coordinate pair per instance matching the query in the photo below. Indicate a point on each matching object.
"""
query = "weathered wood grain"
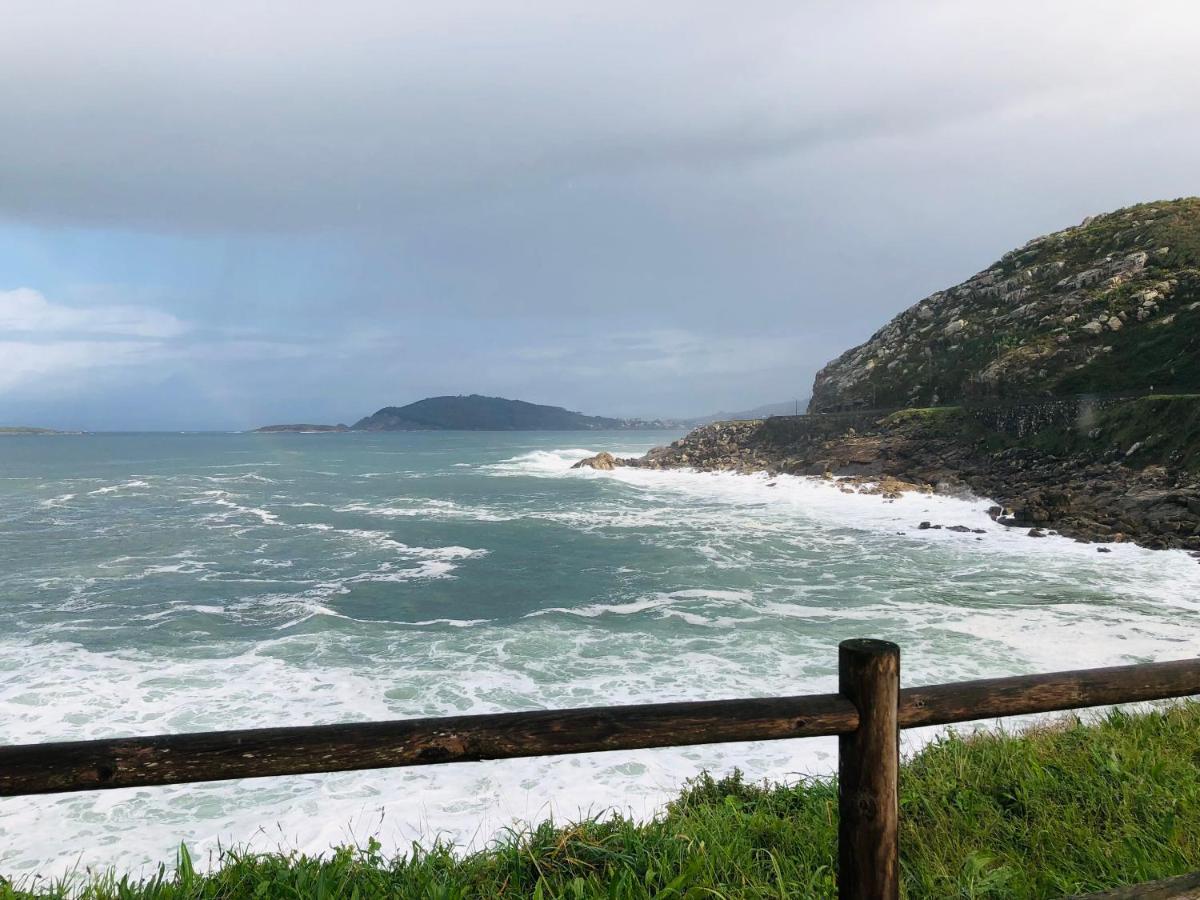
(990, 698)
(869, 773)
(212, 756)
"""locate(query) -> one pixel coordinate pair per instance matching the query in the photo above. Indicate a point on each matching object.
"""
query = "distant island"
(475, 412)
(478, 413)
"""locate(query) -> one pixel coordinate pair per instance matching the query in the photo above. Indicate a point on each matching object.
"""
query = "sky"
(227, 214)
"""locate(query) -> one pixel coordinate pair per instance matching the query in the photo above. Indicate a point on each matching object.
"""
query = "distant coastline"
(302, 429)
(11, 430)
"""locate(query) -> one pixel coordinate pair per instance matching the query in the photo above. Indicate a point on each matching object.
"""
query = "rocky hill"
(1109, 306)
(477, 413)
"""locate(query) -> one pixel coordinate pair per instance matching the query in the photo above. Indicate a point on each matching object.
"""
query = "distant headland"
(475, 412)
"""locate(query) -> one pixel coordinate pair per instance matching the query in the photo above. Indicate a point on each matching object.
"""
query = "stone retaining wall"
(1025, 419)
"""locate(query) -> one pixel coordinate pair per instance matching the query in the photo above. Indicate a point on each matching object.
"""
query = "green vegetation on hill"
(1165, 355)
(1162, 429)
(1109, 306)
(1055, 811)
(1159, 430)
(477, 413)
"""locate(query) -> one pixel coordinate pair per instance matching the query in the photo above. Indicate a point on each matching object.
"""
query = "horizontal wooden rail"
(261, 752)
(992, 698)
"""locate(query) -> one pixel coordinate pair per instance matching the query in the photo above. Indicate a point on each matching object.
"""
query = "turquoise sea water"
(160, 583)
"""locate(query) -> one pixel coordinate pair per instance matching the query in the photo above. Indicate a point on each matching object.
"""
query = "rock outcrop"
(604, 461)
(1088, 486)
(1109, 306)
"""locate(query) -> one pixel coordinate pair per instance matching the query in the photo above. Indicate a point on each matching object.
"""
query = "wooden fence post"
(868, 772)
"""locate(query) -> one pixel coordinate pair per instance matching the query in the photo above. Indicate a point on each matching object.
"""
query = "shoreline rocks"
(1086, 496)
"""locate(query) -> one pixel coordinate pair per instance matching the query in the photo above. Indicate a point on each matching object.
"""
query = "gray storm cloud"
(312, 115)
(738, 173)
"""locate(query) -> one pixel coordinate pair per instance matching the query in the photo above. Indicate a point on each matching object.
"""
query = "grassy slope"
(1043, 814)
(1167, 427)
(1143, 356)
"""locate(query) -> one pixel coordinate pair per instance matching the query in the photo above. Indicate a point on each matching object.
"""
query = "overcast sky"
(224, 214)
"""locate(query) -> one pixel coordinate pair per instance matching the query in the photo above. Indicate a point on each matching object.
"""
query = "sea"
(155, 583)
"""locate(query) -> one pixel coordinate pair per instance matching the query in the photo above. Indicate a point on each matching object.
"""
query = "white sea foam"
(543, 463)
(243, 478)
(427, 508)
(234, 511)
(124, 486)
(54, 502)
(660, 603)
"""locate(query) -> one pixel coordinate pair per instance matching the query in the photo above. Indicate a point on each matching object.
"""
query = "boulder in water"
(604, 461)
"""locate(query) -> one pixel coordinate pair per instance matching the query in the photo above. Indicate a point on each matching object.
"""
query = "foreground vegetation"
(1059, 810)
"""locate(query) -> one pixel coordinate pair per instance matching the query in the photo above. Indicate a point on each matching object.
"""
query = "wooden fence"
(866, 714)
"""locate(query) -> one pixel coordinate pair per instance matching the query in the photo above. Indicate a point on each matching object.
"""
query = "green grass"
(937, 420)
(1075, 807)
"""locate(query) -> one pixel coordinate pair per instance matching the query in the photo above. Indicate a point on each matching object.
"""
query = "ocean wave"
(235, 510)
(426, 508)
(661, 603)
(545, 463)
(124, 486)
(55, 502)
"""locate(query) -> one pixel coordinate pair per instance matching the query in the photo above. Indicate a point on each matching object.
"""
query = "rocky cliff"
(1109, 306)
